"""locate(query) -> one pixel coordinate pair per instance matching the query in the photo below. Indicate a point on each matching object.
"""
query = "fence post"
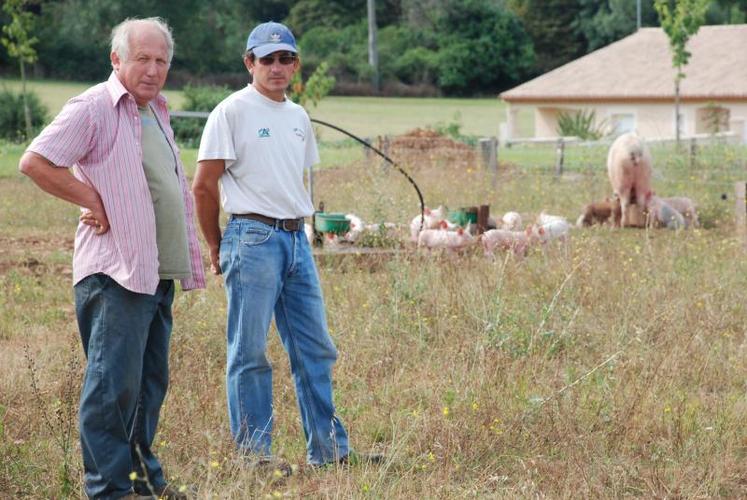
(384, 148)
(559, 156)
(741, 212)
(693, 151)
(483, 214)
(489, 155)
(366, 150)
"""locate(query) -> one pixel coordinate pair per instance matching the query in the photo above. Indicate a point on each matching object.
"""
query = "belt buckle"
(293, 225)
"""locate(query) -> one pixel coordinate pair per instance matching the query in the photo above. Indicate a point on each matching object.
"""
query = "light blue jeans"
(269, 270)
(125, 338)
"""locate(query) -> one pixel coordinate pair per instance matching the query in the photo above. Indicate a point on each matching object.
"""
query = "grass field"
(364, 116)
(610, 367)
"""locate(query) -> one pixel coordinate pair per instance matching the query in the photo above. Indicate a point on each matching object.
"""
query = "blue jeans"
(126, 341)
(268, 270)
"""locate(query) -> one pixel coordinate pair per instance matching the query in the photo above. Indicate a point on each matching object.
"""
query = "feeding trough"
(331, 222)
(463, 216)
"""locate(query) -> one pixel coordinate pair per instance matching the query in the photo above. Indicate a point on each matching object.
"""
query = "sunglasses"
(284, 59)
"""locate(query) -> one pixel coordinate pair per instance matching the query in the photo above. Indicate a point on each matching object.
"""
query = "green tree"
(481, 48)
(551, 24)
(20, 44)
(680, 20)
(602, 23)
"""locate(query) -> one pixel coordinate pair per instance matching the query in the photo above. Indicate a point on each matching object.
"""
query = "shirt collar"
(117, 90)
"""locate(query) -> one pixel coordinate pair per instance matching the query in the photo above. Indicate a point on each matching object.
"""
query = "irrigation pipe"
(391, 162)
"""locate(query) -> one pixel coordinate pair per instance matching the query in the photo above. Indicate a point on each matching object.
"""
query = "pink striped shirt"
(98, 133)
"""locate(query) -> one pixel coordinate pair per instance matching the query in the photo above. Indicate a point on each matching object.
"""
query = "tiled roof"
(639, 68)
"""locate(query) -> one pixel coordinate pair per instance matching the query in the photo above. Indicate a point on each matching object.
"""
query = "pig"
(451, 240)
(431, 220)
(629, 167)
(356, 228)
(511, 221)
(554, 229)
(544, 218)
(662, 214)
(686, 207)
(504, 239)
(600, 212)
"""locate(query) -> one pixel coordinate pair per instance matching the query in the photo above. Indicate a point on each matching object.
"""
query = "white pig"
(431, 220)
(511, 221)
(662, 214)
(356, 228)
(516, 241)
(451, 240)
(629, 167)
(686, 207)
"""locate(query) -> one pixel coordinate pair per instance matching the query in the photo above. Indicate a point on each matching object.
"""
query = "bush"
(197, 98)
(12, 121)
(581, 124)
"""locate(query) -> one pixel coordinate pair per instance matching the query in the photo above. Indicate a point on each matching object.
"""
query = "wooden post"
(741, 212)
(483, 213)
(559, 157)
(489, 153)
(489, 156)
(384, 148)
(366, 150)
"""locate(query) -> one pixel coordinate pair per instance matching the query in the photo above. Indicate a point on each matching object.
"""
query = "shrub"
(12, 122)
(581, 124)
(197, 98)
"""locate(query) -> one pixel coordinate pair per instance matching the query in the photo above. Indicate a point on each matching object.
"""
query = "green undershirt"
(159, 164)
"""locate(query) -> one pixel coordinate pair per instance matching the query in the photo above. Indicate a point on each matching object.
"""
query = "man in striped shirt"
(135, 237)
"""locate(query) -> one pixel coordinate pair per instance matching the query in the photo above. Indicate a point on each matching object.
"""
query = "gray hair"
(122, 32)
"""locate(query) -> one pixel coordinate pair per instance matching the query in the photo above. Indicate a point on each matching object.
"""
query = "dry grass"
(612, 367)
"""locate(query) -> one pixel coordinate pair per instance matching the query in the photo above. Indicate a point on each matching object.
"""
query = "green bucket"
(463, 216)
(325, 222)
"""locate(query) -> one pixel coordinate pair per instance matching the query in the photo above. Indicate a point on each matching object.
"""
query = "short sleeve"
(217, 137)
(312, 152)
(69, 137)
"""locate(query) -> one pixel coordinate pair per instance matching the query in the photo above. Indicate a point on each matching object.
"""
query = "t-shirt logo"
(263, 132)
(299, 133)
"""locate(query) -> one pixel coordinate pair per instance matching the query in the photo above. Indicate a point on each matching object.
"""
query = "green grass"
(54, 94)
(610, 367)
(364, 116)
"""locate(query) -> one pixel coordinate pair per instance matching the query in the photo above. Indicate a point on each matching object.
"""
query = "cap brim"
(267, 49)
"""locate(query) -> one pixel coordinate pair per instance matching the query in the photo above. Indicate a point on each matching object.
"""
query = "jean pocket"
(253, 236)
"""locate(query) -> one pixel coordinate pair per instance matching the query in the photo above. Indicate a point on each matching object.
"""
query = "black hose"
(375, 150)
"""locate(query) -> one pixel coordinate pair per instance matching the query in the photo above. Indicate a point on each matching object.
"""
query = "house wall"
(651, 120)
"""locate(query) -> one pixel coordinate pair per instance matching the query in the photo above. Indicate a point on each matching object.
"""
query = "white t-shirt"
(266, 146)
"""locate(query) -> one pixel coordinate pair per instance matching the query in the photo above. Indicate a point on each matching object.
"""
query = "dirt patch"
(29, 255)
(423, 146)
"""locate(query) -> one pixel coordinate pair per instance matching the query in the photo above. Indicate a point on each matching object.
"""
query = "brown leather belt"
(284, 224)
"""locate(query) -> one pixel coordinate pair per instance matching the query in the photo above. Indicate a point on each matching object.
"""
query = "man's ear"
(114, 57)
(248, 63)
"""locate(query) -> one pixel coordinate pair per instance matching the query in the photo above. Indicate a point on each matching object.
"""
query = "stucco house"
(629, 85)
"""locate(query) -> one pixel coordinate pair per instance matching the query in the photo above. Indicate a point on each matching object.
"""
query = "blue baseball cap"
(270, 37)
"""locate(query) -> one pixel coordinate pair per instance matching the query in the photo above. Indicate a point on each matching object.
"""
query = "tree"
(20, 45)
(602, 23)
(481, 48)
(680, 20)
(551, 24)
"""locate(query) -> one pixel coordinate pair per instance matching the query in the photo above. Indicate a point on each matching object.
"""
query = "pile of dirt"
(421, 139)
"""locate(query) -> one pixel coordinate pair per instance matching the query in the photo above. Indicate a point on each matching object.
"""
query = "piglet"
(511, 221)
(516, 241)
(439, 238)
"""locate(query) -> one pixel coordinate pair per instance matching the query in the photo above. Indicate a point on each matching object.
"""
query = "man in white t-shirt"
(256, 145)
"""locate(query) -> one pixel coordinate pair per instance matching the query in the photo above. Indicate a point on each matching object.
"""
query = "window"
(711, 119)
(621, 123)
